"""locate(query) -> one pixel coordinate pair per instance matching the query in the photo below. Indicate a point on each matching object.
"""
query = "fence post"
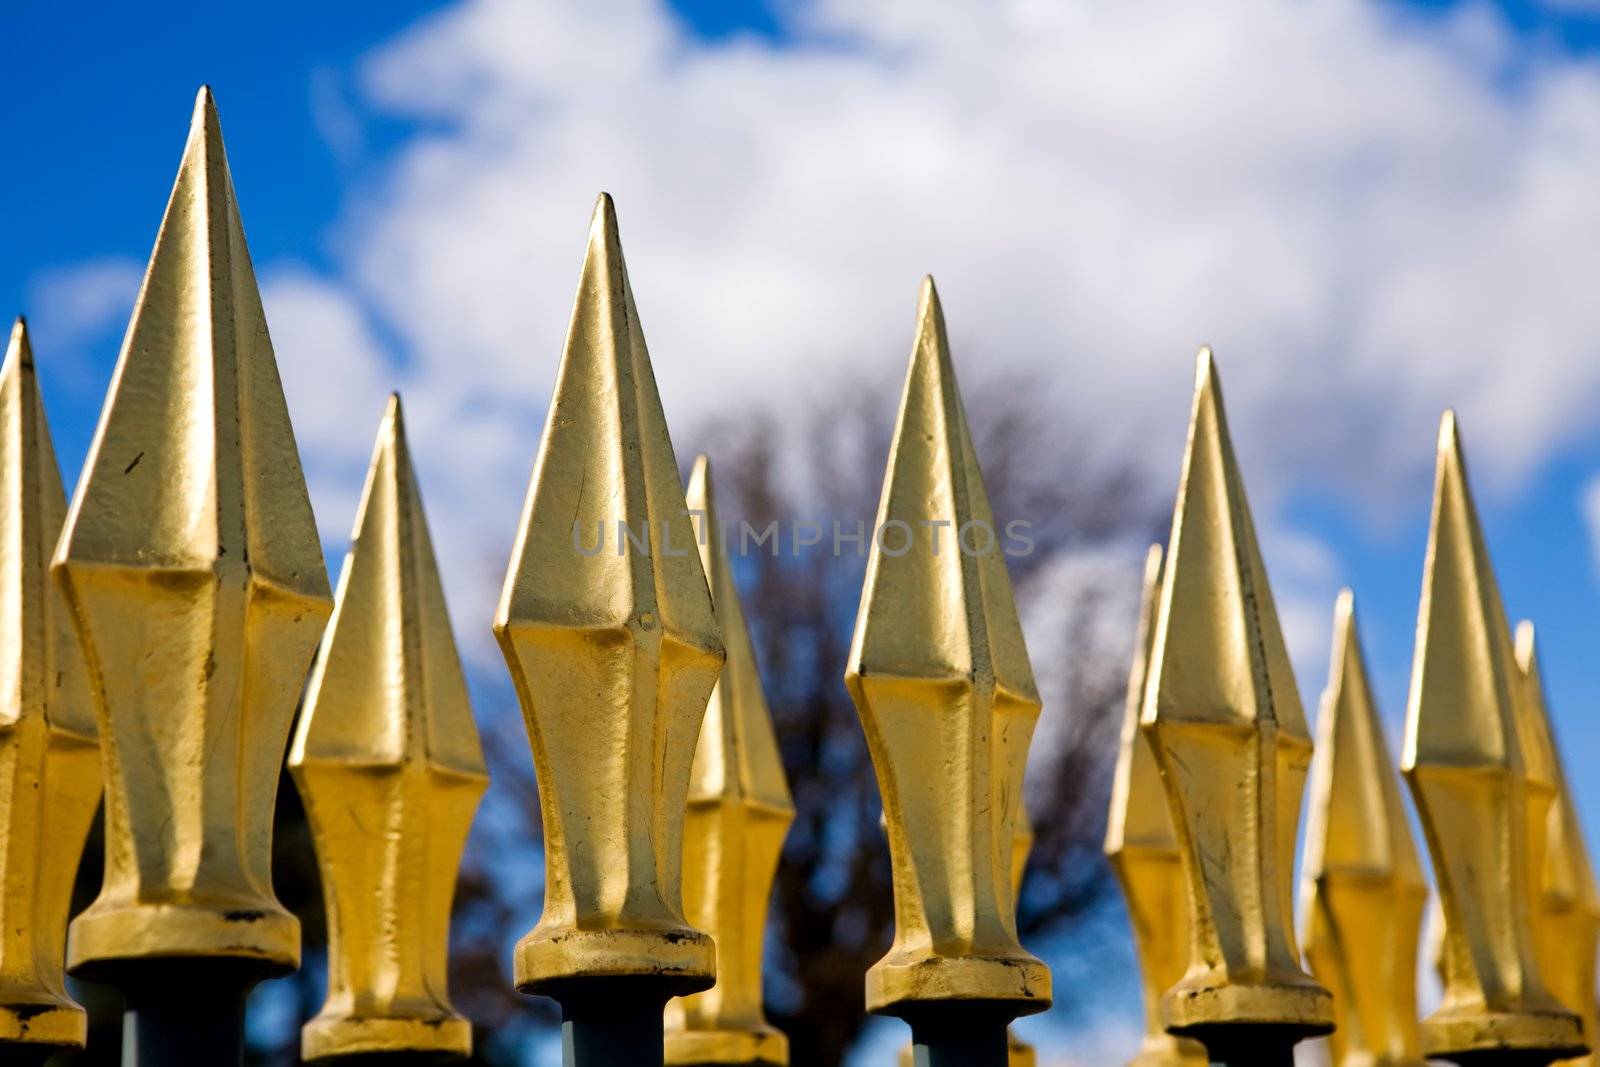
(1362, 892)
(739, 813)
(940, 676)
(192, 566)
(1465, 762)
(1144, 854)
(387, 760)
(1223, 717)
(1567, 910)
(614, 656)
(47, 731)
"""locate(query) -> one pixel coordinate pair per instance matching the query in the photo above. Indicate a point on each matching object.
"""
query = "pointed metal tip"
(1527, 651)
(605, 208)
(1205, 364)
(205, 106)
(1449, 432)
(1344, 606)
(392, 409)
(1152, 564)
(19, 346)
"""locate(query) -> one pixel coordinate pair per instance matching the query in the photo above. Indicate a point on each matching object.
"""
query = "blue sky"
(371, 142)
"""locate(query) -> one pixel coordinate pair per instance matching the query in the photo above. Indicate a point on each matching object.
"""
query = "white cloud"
(1369, 214)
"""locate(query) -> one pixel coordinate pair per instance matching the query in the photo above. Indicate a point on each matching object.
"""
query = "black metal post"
(184, 1012)
(1240, 1050)
(957, 1034)
(612, 1023)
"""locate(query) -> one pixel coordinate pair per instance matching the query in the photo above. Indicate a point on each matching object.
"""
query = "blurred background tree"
(832, 911)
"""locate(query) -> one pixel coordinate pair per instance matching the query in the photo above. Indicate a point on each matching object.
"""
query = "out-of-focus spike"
(1464, 762)
(197, 588)
(49, 757)
(387, 740)
(1568, 912)
(1144, 854)
(606, 623)
(940, 676)
(1223, 716)
(739, 813)
(1362, 890)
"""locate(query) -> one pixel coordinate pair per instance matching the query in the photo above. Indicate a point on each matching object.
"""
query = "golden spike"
(197, 588)
(940, 677)
(1568, 913)
(1464, 762)
(607, 625)
(1223, 716)
(739, 813)
(49, 757)
(1144, 854)
(387, 740)
(1362, 887)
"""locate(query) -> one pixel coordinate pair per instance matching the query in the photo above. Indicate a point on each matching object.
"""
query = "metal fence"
(159, 632)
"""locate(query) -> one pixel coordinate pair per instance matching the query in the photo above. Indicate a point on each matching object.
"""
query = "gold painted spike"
(49, 758)
(195, 577)
(1568, 912)
(607, 625)
(940, 677)
(1223, 716)
(739, 813)
(1362, 886)
(1144, 854)
(387, 740)
(1463, 760)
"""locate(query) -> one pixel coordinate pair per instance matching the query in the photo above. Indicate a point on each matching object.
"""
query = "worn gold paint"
(49, 757)
(614, 650)
(941, 680)
(1362, 890)
(197, 588)
(1223, 716)
(1465, 763)
(1144, 854)
(387, 760)
(1568, 912)
(739, 813)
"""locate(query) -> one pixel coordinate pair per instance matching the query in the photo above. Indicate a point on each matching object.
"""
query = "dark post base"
(612, 1023)
(1264, 1051)
(26, 1055)
(961, 1035)
(183, 1012)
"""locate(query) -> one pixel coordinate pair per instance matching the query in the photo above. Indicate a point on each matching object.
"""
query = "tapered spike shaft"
(1362, 891)
(387, 740)
(1223, 716)
(739, 813)
(940, 676)
(1568, 910)
(49, 756)
(607, 624)
(1464, 761)
(1144, 855)
(192, 566)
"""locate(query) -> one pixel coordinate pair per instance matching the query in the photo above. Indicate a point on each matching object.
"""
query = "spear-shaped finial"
(1223, 716)
(1568, 911)
(739, 813)
(195, 577)
(51, 784)
(607, 625)
(387, 740)
(1144, 854)
(941, 679)
(1362, 889)
(1464, 762)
